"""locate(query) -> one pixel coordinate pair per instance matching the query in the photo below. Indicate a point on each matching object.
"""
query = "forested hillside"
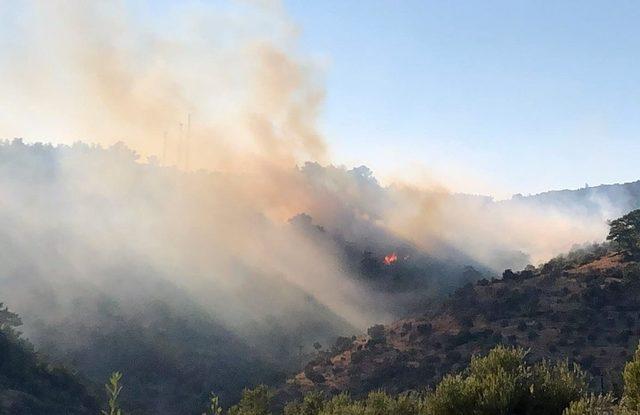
(120, 265)
(187, 284)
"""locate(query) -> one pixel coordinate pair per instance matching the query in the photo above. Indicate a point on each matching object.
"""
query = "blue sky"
(487, 96)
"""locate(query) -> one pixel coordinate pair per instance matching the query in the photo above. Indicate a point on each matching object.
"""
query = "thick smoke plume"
(219, 89)
(95, 71)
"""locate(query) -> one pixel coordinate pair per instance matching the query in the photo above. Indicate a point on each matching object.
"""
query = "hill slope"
(585, 307)
(28, 385)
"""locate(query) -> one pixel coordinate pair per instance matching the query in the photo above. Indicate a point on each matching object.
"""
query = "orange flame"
(391, 258)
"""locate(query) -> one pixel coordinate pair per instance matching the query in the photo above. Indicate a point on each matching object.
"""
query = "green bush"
(312, 404)
(553, 386)
(503, 383)
(255, 401)
(591, 405)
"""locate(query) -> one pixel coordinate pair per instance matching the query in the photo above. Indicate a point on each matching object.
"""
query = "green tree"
(255, 401)
(625, 232)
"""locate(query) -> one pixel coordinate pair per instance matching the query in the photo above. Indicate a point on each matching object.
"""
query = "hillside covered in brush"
(198, 281)
(584, 306)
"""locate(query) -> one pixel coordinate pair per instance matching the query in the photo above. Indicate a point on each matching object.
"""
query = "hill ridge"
(584, 306)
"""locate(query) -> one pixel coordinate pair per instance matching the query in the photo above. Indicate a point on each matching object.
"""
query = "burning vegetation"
(391, 258)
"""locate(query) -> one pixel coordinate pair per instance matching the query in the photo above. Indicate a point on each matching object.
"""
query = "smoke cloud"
(223, 111)
(96, 71)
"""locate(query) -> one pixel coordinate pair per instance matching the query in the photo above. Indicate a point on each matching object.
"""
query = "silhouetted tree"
(625, 232)
(8, 320)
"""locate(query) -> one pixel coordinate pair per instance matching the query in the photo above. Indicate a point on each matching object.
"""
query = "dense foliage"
(625, 232)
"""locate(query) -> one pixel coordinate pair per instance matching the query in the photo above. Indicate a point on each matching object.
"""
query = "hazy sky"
(493, 97)
(489, 96)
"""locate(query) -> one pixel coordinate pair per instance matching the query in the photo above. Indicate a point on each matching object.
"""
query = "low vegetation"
(502, 382)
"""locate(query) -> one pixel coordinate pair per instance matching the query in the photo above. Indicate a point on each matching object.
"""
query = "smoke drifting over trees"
(237, 217)
(86, 217)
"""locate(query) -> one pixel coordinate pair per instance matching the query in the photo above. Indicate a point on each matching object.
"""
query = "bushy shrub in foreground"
(503, 383)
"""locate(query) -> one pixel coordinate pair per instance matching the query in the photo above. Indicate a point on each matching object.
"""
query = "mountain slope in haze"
(612, 200)
(173, 354)
(584, 307)
(82, 220)
(115, 265)
(121, 265)
(31, 386)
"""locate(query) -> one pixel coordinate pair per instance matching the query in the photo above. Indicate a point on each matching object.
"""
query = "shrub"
(312, 404)
(255, 401)
(591, 405)
(554, 386)
(342, 405)
(452, 396)
(503, 383)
